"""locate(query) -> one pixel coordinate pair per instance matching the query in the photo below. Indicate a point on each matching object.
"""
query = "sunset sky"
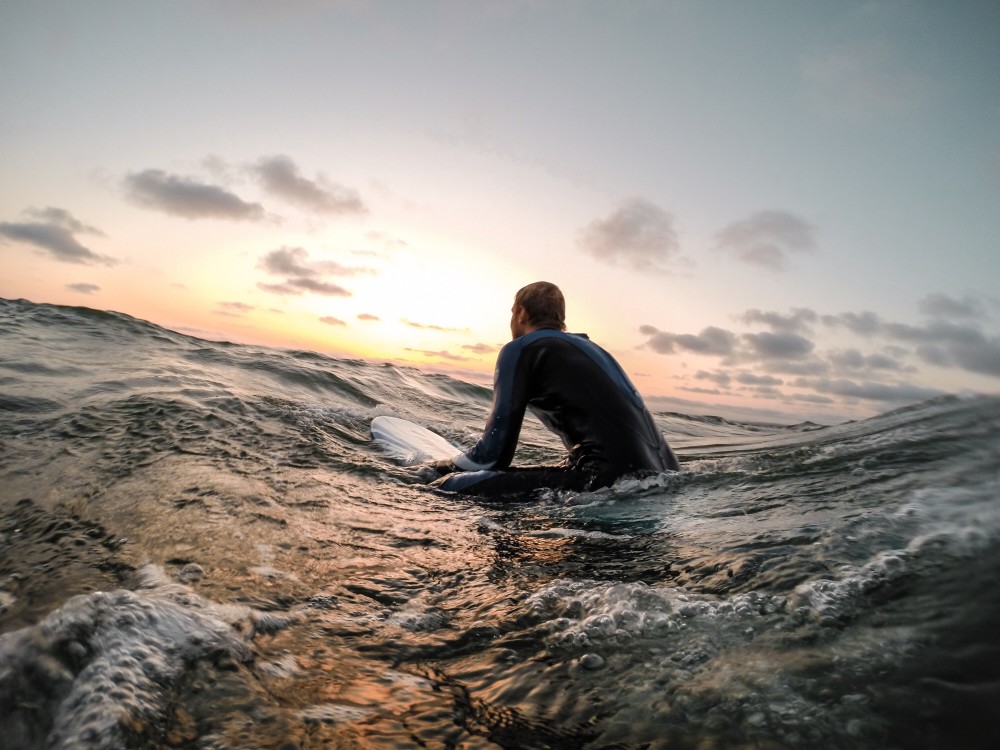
(767, 210)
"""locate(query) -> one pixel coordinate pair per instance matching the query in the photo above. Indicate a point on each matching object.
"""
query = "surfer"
(577, 390)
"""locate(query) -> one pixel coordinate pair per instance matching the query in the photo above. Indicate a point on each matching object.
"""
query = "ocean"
(200, 547)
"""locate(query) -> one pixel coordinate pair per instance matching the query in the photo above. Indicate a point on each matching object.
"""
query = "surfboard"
(409, 442)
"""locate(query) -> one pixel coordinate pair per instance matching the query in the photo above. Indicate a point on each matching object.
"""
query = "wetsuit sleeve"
(495, 449)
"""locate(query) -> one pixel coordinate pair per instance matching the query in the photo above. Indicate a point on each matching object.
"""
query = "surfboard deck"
(409, 442)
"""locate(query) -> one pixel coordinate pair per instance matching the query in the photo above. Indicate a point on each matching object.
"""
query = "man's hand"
(430, 471)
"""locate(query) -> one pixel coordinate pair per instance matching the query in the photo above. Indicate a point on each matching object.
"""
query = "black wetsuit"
(579, 392)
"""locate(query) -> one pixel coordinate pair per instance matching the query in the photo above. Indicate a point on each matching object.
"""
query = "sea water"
(201, 548)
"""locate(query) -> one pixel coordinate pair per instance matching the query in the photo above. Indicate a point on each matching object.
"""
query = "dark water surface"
(200, 548)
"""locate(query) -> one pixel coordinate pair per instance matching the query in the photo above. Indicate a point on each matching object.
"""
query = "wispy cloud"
(332, 321)
(766, 238)
(639, 235)
(302, 285)
(369, 317)
(303, 275)
(281, 178)
(83, 288)
(233, 309)
(188, 198)
(441, 354)
(426, 327)
(860, 81)
(479, 348)
(55, 232)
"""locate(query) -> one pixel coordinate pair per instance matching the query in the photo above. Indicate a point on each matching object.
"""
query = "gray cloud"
(83, 287)
(55, 234)
(939, 342)
(943, 306)
(812, 366)
(711, 340)
(719, 377)
(63, 218)
(769, 345)
(900, 393)
(797, 321)
(331, 321)
(749, 378)
(951, 338)
(865, 323)
(280, 176)
(852, 359)
(293, 261)
(303, 275)
(639, 235)
(185, 197)
(766, 238)
(369, 317)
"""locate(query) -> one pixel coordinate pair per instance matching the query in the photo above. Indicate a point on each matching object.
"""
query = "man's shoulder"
(546, 335)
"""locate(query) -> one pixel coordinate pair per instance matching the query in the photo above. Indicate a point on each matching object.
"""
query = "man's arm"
(495, 449)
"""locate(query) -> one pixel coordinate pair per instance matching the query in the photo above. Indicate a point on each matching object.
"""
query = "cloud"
(83, 287)
(185, 197)
(441, 354)
(902, 393)
(63, 218)
(55, 234)
(939, 342)
(782, 346)
(718, 377)
(387, 240)
(303, 275)
(280, 177)
(329, 320)
(293, 261)
(861, 82)
(798, 321)
(864, 323)
(952, 338)
(233, 308)
(425, 327)
(943, 306)
(639, 235)
(749, 378)
(711, 341)
(303, 285)
(766, 238)
(479, 348)
(369, 317)
(852, 359)
(964, 347)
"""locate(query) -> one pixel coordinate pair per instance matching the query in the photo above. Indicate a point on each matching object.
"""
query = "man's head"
(538, 305)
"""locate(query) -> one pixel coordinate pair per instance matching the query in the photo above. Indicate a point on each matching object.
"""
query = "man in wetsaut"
(577, 390)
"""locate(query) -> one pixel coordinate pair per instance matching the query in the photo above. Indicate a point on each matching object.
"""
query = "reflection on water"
(199, 548)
